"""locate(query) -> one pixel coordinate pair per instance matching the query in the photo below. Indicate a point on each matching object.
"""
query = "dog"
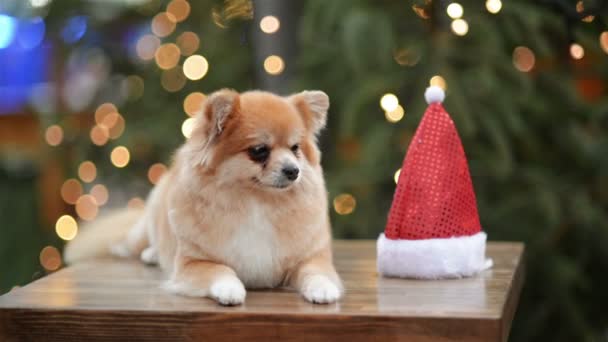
(243, 205)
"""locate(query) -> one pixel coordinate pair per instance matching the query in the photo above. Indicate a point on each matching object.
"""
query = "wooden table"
(111, 300)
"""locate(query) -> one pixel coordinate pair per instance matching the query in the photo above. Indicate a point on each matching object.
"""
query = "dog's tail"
(96, 238)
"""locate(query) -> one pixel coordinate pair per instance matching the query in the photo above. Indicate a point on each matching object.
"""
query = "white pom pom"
(434, 94)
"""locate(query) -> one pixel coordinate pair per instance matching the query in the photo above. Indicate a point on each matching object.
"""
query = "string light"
(99, 135)
(163, 24)
(172, 80)
(344, 204)
(50, 258)
(136, 203)
(604, 41)
(274, 65)
(523, 59)
(87, 171)
(438, 81)
(71, 191)
(120, 156)
(100, 193)
(193, 103)
(180, 9)
(195, 67)
(86, 207)
(146, 47)
(395, 115)
(53, 135)
(66, 227)
(155, 172)
(580, 7)
(187, 127)
(167, 56)
(577, 51)
(493, 6)
(270, 24)
(389, 102)
(460, 27)
(188, 43)
(396, 176)
(455, 10)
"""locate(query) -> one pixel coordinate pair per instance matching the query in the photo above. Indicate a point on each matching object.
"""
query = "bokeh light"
(406, 57)
(155, 172)
(173, 80)
(274, 65)
(103, 110)
(493, 6)
(167, 56)
(53, 135)
(39, 3)
(74, 29)
(270, 24)
(455, 10)
(604, 41)
(523, 59)
(86, 207)
(180, 9)
(344, 204)
(163, 24)
(136, 203)
(460, 27)
(195, 67)
(187, 127)
(71, 190)
(395, 115)
(120, 156)
(8, 26)
(31, 32)
(87, 171)
(188, 43)
(50, 258)
(99, 135)
(389, 102)
(193, 103)
(396, 176)
(438, 81)
(577, 51)
(66, 227)
(146, 47)
(100, 193)
(135, 86)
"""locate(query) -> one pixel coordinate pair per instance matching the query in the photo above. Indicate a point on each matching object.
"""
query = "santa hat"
(433, 228)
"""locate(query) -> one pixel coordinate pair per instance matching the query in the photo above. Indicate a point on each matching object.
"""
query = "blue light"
(7, 30)
(30, 33)
(74, 29)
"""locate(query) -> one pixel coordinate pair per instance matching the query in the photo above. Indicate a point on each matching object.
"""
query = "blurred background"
(96, 94)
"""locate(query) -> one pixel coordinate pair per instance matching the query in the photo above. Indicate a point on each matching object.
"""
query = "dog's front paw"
(320, 289)
(228, 291)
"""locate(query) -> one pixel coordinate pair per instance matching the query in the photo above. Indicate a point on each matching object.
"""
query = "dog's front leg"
(317, 280)
(200, 278)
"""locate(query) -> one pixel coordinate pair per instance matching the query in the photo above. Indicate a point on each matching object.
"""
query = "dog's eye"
(259, 153)
(295, 148)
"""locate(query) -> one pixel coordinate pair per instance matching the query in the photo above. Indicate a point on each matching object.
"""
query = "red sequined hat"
(433, 228)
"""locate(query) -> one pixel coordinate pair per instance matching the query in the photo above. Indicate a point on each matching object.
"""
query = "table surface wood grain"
(109, 299)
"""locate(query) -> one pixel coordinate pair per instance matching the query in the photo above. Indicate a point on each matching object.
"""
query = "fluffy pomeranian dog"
(243, 205)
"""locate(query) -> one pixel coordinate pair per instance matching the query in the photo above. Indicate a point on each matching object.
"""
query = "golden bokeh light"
(493, 6)
(100, 193)
(604, 41)
(135, 86)
(406, 57)
(66, 227)
(455, 10)
(103, 110)
(86, 207)
(155, 172)
(274, 65)
(167, 56)
(71, 191)
(87, 171)
(53, 135)
(389, 102)
(396, 176)
(438, 81)
(523, 59)
(187, 127)
(163, 24)
(146, 47)
(577, 51)
(460, 27)
(395, 115)
(195, 67)
(114, 125)
(50, 258)
(193, 103)
(172, 80)
(188, 43)
(180, 9)
(136, 203)
(344, 204)
(270, 24)
(120, 156)
(99, 135)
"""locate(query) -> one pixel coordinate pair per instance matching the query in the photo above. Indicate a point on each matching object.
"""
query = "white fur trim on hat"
(433, 258)
(434, 94)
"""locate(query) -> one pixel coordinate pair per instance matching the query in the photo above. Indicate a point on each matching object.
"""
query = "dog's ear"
(313, 106)
(220, 106)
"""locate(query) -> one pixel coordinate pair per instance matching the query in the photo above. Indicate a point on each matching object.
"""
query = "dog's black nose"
(291, 172)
